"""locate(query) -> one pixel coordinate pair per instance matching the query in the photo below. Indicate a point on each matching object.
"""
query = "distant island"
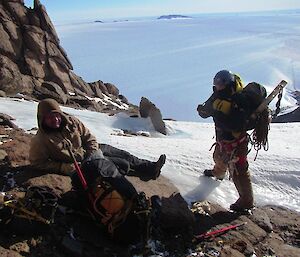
(120, 20)
(98, 21)
(172, 16)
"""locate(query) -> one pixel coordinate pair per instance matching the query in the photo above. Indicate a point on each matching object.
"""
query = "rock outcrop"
(293, 116)
(269, 231)
(148, 109)
(6, 120)
(33, 63)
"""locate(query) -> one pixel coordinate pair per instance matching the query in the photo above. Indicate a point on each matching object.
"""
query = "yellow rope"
(31, 215)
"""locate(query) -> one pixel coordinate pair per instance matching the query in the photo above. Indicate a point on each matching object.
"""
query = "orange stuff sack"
(109, 200)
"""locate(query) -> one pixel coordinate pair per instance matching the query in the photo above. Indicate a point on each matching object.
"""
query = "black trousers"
(129, 164)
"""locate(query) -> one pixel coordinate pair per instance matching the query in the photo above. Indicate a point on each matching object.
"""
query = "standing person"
(231, 146)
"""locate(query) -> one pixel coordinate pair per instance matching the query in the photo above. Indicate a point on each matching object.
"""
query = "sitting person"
(62, 140)
(58, 132)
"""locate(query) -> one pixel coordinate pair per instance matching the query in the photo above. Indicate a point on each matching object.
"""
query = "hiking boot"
(209, 173)
(238, 207)
(158, 165)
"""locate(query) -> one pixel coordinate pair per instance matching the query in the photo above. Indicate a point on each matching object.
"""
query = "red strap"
(230, 146)
(242, 160)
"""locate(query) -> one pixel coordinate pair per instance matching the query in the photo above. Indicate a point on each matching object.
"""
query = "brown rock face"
(33, 63)
(97, 88)
(52, 90)
(11, 78)
(112, 89)
(5, 44)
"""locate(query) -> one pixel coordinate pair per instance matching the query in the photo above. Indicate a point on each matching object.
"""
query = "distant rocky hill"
(293, 116)
(33, 63)
(296, 95)
(172, 16)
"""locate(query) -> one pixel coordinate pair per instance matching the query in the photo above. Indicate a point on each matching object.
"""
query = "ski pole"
(207, 235)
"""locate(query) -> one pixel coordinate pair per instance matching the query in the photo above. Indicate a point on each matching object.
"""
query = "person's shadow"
(203, 190)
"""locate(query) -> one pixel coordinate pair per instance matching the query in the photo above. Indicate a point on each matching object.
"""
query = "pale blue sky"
(60, 10)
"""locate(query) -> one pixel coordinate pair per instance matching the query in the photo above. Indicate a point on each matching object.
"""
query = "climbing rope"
(259, 136)
(277, 110)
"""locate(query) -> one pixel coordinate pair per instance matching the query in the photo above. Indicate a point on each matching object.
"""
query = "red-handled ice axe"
(83, 181)
(208, 235)
(78, 170)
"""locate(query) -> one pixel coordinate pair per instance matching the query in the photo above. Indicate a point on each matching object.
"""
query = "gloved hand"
(67, 168)
(202, 111)
(89, 155)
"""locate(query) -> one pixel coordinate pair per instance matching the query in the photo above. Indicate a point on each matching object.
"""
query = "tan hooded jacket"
(49, 149)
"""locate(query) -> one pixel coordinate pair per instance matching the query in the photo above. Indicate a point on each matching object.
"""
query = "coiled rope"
(259, 137)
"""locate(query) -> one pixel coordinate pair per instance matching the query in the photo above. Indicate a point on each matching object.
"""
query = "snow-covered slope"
(275, 173)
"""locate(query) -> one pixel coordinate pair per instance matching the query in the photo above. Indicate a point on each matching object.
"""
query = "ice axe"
(83, 182)
(277, 90)
(217, 232)
(78, 170)
(81, 177)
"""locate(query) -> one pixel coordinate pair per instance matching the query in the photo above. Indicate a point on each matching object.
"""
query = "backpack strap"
(238, 83)
(223, 106)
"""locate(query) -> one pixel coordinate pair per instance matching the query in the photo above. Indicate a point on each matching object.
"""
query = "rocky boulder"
(6, 120)
(57, 183)
(268, 231)
(112, 89)
(148, 109)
